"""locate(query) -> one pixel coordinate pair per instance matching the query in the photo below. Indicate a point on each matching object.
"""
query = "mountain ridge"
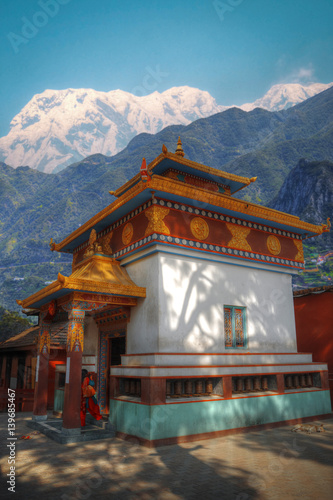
(57, 128)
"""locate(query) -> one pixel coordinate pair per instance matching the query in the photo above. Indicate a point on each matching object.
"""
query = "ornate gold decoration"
(273, 244)
(75, 333)
(107, 250)
(300, 255)
(164, 149)
(155, 216)
(179, 149)
(44, 340)
(127, 234)
(159, 183)
(239, 235)
(199, 228)
(93, 245)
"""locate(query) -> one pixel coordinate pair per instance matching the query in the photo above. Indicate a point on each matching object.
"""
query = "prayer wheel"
(168, 388)
(138, 388)
(248, 384)
(127, 386)
(132, 386)
(198, 386)
(209, 386)
(239, 385)
(188, 387)
(289, 382)
(257, 384)
(309, 379)
(178, 387)
(264, 383)
(303, 380)
(296, 381)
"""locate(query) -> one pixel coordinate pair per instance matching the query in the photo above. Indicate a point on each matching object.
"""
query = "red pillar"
(42, 373)
(280, 383)
(227, 387)
(153, 391)
(72, 399)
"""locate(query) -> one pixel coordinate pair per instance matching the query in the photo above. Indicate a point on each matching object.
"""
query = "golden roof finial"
(179, 149)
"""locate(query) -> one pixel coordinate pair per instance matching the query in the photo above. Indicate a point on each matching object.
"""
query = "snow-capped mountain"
(283, 96)
(59, 127)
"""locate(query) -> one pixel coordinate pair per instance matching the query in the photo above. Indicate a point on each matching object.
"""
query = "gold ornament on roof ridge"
(179, 149)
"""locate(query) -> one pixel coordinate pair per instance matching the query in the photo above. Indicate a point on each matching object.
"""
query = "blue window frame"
(234, 327)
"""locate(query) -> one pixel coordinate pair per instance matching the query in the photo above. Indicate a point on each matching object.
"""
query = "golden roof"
(96, 274)
(178, 158)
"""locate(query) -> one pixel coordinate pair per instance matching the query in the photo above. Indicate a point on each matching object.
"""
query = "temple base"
(157, 425)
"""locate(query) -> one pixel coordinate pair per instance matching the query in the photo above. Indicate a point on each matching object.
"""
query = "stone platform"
(94, 429)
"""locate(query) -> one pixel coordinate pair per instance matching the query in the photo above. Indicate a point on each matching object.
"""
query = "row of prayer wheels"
(298, 381)
(250, 384)
(132, 387)
(187, 388)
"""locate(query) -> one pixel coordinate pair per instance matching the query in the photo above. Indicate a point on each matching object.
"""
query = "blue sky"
(235, 49)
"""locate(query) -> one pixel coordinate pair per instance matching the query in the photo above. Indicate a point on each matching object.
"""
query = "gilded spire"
(179, 149)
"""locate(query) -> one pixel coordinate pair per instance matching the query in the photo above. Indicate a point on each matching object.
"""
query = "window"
(234, 327)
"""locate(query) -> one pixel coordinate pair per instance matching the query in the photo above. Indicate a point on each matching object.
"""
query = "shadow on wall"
(196, 292)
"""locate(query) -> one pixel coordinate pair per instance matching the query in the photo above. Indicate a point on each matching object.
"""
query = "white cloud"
(287, 73)
(303, 75)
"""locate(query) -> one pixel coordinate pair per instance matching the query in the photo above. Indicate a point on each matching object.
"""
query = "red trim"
(216, 376)
(142, 367)
(199, 400)
(217, 434)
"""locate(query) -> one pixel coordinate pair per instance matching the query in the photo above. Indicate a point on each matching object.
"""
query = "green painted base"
(185, 419)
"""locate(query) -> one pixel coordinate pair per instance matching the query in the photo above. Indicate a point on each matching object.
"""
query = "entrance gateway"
(180, 299)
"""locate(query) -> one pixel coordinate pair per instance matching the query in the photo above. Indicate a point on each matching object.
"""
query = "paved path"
(271, 464)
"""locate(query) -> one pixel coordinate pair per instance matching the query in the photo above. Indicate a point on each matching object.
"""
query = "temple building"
(180, 301)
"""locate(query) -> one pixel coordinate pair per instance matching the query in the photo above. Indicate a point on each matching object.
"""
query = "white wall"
(143, 328)
(183, 310)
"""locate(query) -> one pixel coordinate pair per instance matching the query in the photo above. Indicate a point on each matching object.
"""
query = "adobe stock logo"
(222, 8)
(30, 28)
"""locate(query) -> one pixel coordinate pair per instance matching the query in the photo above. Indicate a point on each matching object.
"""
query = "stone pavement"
(270, 464)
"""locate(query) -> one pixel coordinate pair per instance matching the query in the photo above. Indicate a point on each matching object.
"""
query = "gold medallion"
(199, 228)
(273, 245)
(127, 233)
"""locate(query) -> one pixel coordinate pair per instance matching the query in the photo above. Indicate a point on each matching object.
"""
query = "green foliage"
(11, 323)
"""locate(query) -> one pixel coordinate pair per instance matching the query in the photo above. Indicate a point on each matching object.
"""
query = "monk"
(88, 399)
